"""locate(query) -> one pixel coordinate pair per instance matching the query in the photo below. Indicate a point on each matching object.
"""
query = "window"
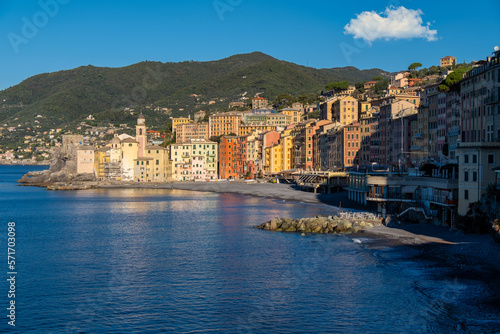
(491, 159)
(466, 158)
(474, 176)
(474, 159)
(466, 194)
(466, 176)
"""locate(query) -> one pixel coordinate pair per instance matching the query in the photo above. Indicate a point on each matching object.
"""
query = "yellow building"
(224, 124)
(279, 119)
(100, 158)
(247, 129)
(345, 110)
(154, 166)
(178, 121)
(295, 114)
(448, 61)
(274, 159)
(286, 142)
(364, 106)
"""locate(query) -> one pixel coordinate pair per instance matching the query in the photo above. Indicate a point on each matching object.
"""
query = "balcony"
(419, 136)
(395, 197)
(492, 99)
(442, 200)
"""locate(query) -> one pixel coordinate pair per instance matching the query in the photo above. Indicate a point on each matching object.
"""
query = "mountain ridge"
(63, 98)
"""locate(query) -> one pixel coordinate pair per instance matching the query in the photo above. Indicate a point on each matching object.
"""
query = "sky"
(53, 35)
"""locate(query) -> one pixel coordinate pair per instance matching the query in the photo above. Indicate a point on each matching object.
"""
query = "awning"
(409, 189)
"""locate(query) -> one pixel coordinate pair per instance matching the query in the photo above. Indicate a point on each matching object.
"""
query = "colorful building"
(186, 132)
(224, 124)
(183, 157)
(259, 103)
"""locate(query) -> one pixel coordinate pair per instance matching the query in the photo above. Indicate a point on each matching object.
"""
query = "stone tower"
(140, 134)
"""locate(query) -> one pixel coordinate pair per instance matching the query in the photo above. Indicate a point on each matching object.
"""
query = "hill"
(65, 98)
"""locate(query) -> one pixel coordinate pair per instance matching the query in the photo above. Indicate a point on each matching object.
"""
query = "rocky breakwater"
(61, 174)
(342, 224)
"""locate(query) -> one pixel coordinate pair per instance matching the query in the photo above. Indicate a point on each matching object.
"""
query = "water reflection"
(146, 260)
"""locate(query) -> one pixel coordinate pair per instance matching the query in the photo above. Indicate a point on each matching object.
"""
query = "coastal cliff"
(62, 173)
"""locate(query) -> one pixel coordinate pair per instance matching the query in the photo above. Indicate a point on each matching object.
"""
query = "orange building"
(228, 162)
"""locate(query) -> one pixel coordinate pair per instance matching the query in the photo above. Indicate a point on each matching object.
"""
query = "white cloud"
(397, 23)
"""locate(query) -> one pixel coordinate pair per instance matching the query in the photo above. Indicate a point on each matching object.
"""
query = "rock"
(316, 229)
(356, 229)
(84, 177)
(274, 224)
(318, 225)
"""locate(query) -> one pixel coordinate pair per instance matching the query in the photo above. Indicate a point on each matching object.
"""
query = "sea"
(172, 261)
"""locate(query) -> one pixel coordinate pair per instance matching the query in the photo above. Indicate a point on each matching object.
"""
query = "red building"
(351, 144)
(228, 168)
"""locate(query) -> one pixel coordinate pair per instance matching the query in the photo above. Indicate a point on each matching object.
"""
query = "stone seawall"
(329, 225)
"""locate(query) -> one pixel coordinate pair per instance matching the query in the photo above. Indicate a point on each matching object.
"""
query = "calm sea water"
(149, 261)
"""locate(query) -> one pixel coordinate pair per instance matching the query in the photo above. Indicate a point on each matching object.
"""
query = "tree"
(313, 114)
(452, 81)
(414, 66)
(340, 85)
(360, 85)
(285, 99)
(434, 70)
(216, 138)
(377, 78)
(380, 86)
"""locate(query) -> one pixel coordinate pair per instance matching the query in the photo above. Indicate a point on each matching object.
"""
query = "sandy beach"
(287, 192)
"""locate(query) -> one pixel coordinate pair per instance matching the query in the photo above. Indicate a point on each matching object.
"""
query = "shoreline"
(287, 192)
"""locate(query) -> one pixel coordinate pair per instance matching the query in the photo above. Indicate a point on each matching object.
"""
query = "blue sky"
(66, 34)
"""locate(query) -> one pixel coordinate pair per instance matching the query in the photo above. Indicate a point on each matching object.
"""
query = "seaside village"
(416, 146)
